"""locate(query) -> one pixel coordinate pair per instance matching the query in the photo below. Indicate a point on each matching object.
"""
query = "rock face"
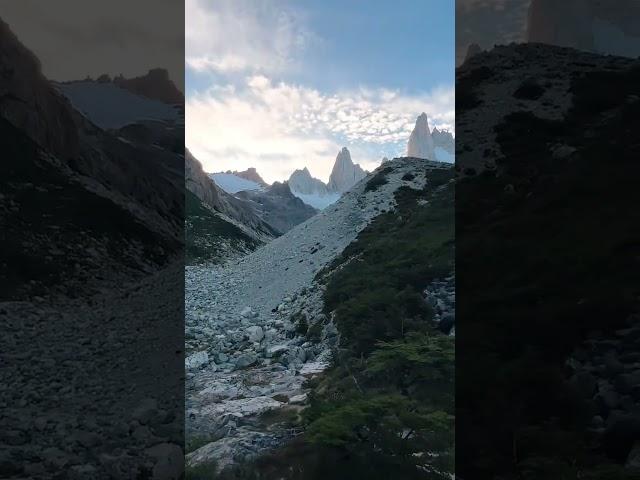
(156, 85)
(200, 184)
(345, 173)
(251, 174)
(421, 143)
(443, 139)
(278, 207)
(29, 101)
(590, 25)
(301, 181)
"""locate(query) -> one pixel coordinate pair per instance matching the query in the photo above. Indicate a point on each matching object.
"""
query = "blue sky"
(280, 85)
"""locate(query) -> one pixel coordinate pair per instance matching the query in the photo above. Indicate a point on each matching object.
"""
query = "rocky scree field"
(307, 354)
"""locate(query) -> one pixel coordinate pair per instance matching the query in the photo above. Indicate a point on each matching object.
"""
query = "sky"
(489, 23)
(77, 38)
(280, 84)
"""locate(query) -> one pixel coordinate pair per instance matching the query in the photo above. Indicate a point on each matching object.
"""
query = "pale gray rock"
(420, 141)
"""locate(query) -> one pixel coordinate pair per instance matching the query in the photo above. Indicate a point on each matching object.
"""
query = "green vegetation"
(206, 234)
(385, 408)
(541, 264)
(195, 442)
(388, 400)
(377, 180)
(205, 471)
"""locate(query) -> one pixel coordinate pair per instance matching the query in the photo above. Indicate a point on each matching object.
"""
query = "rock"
(633, 459)
(246, 360)
(298, 399)
(169, 461)
(54, 458)
(196, 360)
(247, 312)
(256, 334)
(345, 174)
(276, 350)
(585, 383)
(146, 411)
(222, 357)
(420, 141)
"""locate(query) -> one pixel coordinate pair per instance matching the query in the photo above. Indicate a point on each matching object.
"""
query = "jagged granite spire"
(421, 142)
(345, 173)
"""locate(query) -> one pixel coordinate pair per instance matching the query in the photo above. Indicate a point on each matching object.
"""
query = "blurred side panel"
(547, 240)
(91, 239)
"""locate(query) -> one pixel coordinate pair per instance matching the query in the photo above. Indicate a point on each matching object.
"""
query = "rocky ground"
(605, 370)
(247, 359)
(88, 389)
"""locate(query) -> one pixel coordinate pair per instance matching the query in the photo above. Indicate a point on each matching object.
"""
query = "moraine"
(239, 314)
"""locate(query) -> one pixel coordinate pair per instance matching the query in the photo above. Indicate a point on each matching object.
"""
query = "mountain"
(316, 193)
(110, 107)
(345, 174)
(251, 174)
(590, 25)
(444, 145)
(278, 326)
(233, 183)
(421, 143)
(549, 169)
(301, 181)
(236, 229)
(278, 207)
(155, 85)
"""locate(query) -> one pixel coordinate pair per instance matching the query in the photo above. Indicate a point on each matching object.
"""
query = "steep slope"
(278, 207)
(548, 171)
(217, 219)
(246, 362)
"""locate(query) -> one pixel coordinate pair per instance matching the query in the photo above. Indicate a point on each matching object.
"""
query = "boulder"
(256, 334)
(196, 360)
(246, 360)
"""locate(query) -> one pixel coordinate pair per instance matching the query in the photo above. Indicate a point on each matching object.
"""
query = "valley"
(259, 330)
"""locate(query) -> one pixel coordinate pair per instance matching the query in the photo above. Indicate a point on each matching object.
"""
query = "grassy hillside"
(208, 237)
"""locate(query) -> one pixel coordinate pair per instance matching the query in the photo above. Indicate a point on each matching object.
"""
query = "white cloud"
(277, 127)
(240, 36)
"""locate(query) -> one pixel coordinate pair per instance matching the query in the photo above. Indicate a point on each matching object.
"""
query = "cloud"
(278, 127)
(243, 36)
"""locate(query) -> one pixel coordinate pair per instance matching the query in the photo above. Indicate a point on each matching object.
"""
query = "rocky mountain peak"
(155, 85)
(345, 173)
(443, 139)
(301, 181)
(251, 174)
(421, 143)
